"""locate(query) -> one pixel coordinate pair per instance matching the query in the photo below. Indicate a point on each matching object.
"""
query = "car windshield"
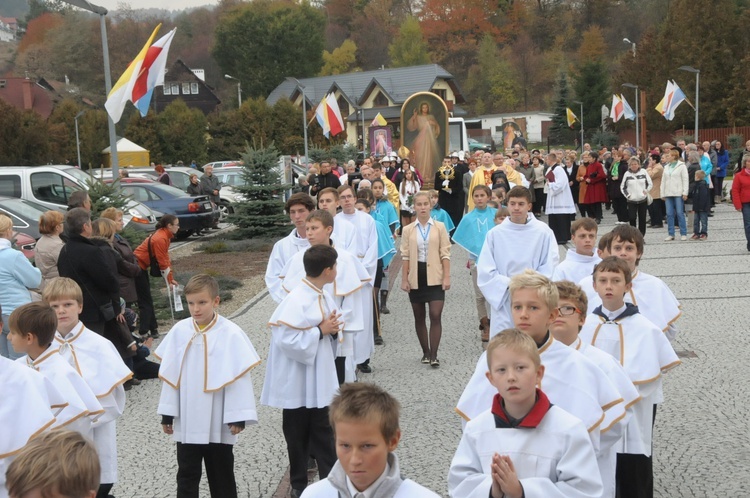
(23, 208)
(79, 175)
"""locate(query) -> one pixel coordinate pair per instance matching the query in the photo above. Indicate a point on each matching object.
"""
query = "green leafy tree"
(341, 60)
(491, 85)
(591, 85)
(146, 132)
(262, 42)
(286, 127)
(261, 213)
(183, 133)
(559, 131)
(409, 48)
(93, 132)
(226, 141)
(62, 133)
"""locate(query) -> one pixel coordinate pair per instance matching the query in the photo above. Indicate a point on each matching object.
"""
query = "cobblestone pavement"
(701, 439)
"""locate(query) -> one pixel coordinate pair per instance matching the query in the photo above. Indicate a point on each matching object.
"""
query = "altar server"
(580, 260)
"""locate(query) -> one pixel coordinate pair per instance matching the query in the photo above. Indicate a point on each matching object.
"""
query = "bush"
(736, 147)
(605, 139)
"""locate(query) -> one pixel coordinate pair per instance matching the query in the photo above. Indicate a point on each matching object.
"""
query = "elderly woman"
(17, 276)
(194, 188)
(674, 190)
(49, 245)
(127, 265)
(163, 175)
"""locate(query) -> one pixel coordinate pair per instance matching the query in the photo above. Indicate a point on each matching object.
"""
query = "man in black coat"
(449, 184)
(83, 261)
(324, 179)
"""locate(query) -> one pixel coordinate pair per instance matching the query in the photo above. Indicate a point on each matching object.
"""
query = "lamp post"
(101, 12)
(632, 45)
(637, 115)
(697, 72)
(239, 88)
(301, 88)
(580, 120)
(78, 143)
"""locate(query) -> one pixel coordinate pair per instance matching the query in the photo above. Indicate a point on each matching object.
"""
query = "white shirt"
(423, 233)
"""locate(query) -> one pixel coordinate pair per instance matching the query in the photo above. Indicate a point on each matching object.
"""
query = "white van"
(51, 186)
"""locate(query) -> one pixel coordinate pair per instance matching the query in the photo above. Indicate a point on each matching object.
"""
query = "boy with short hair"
(32, 332)
(572, 381)
(701, 196)
(344, 232)
(538, 449)
(653, 297)
(617, 328)
(365, 420)
(207, 393)
(573, 307)
(522, 242)
(98, 362)
(471, 234)
(579, 261)
(501, 214)
(301, 373)
(57, 463)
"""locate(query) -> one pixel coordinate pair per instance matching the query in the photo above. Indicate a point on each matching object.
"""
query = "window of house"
(167, 89)
(439, 93)
(380, 100)
(194, 88)
(175, 88)
(343, 106)
(186, 88)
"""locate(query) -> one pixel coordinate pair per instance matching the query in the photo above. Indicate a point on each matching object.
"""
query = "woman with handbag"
(17, 276)
(426, 254)
(153, 258)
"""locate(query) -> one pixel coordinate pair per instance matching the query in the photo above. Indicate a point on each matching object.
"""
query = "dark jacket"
(127, 269)
(575, 187)
(208, 184)
(613, 186)
(692, 169)
(701, 197)
(84, 261)
(194, 189)
(319, 182)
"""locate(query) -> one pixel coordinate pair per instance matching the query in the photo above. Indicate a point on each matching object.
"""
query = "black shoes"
(379, 340)
(364, 368)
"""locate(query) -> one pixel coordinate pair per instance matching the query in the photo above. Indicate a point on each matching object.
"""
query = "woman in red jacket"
(166, 228)
(596, 186)
(741, 195)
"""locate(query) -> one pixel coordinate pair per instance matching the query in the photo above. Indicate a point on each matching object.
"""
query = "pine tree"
(591, 86)
(261, 214)
(559, 131)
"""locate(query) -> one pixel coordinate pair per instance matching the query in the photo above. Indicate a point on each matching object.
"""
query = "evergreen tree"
(591, 86)
(559, 131)
(261, 214)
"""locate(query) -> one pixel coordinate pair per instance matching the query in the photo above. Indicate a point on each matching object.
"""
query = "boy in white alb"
(365, 422)
(524, 446)
(580, 261)
(344, 235)
(350, 290)
(573, 306)
(650, 294)
(644, 352)
(32, 331)
(207, 392)
(519, 243)
(298, 206)
(301, 372)
(98, 362)
(571, 380)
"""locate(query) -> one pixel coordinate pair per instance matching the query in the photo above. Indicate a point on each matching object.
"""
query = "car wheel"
(225, 209)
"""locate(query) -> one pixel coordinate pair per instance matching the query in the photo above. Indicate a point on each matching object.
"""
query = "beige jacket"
(656, 172)
(438, 249)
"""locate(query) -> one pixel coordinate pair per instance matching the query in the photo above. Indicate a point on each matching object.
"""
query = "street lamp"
(78, 143)
(301, 88)
(637, 115)
(580, 120)
(101, 12)
(239, 89)
(697, 72)
(632, 44)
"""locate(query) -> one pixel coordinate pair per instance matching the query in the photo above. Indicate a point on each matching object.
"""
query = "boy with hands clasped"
(524, 446)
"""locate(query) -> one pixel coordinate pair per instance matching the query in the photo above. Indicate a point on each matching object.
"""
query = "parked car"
(195, 213)
(475, 145)
(52, 185)
(25, 215)
(222, 164)
(24, 243)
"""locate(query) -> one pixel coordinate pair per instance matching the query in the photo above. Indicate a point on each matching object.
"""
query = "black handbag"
(154, 269)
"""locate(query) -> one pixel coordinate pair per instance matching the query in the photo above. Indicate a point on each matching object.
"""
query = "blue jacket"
(701, 197)
(722, 162)
(707, 167)
(17, 276)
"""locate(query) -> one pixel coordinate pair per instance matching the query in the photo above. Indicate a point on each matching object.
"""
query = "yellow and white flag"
(572, 118)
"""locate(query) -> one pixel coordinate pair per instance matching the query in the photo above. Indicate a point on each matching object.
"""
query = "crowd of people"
(562, 401)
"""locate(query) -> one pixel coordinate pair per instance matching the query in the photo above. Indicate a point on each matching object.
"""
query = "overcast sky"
(161, 4)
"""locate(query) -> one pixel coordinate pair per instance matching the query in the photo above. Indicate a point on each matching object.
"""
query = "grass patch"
(161, 301)
(217, 246)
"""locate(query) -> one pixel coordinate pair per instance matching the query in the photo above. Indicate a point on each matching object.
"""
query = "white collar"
(369, 492)
(611, 315)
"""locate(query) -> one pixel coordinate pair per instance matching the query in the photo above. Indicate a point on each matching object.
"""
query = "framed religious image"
(424, 131)
(513, 133)
(381, 140)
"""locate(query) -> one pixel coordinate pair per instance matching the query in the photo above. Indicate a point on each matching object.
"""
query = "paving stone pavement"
(702, 446)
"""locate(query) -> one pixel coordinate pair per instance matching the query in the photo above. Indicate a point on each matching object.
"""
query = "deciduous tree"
(409, 48)
(341, 60)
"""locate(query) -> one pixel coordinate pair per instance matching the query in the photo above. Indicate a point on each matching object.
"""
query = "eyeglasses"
(569, 310)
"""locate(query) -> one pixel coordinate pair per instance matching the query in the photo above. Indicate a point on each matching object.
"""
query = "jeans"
(746, 221)
(675, 207)
(700, 223)
(6, 350)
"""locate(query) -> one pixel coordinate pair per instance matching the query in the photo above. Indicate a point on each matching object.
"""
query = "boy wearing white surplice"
(98, 362)
(32, 331)
(524, 446)
(350, 290)
(644, 352)
(301, 372)
(207, 394)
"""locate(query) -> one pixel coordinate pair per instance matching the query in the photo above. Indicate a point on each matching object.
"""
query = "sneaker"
(683, 237)
(695, 237)
(379, 340)
(435, 363)
(668, 238)
(154, 333)
(364, 368)
(425, 360)
(703, 236)
(384, 310)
